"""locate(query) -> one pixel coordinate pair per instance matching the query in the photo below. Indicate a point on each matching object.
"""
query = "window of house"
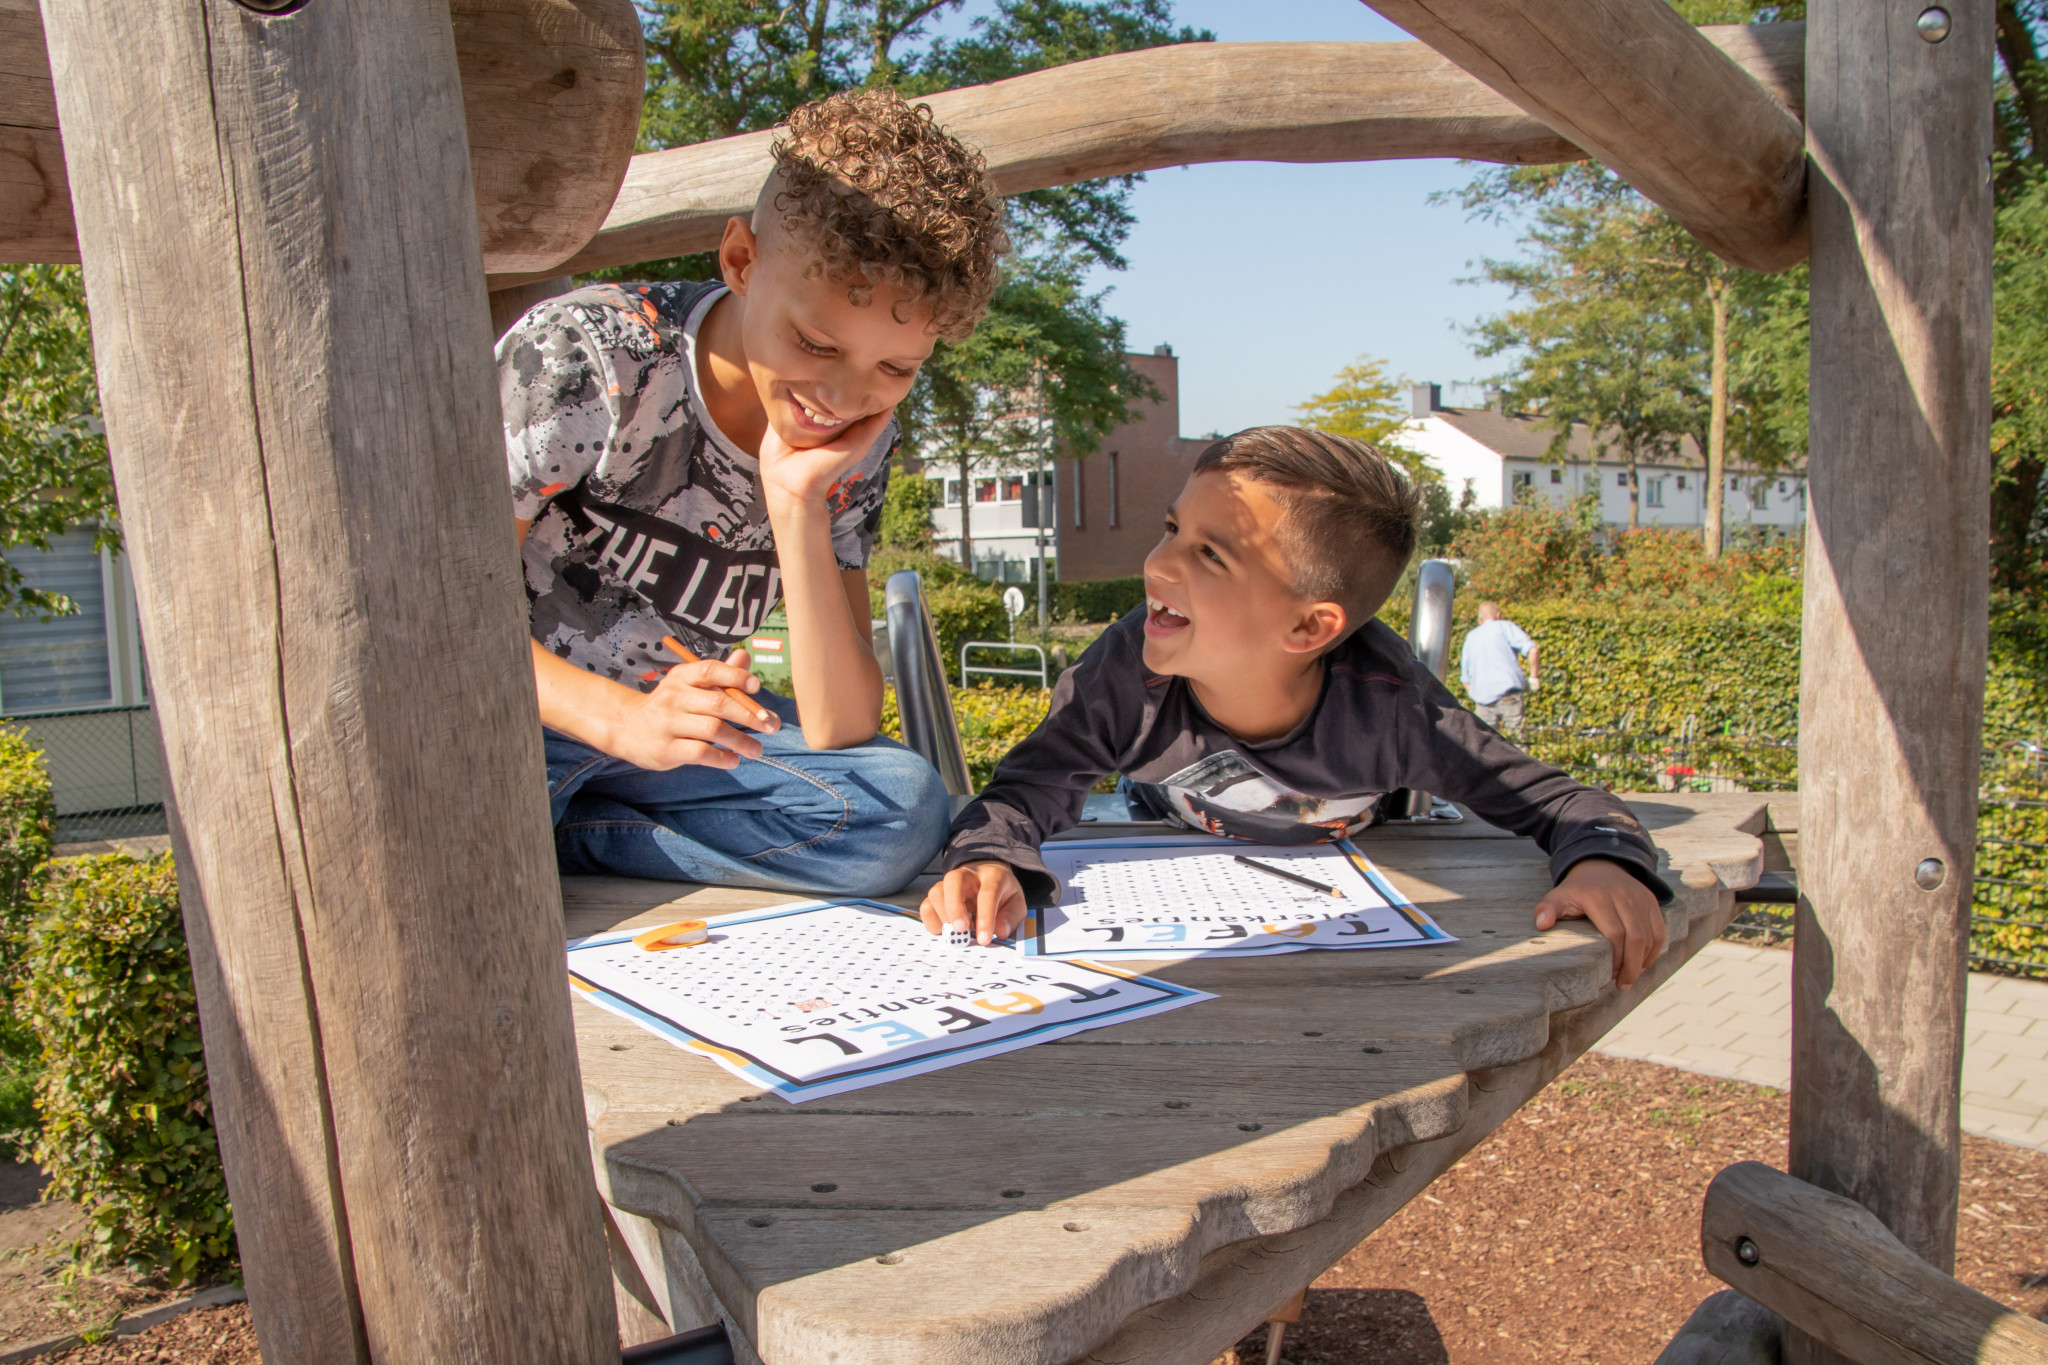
(1114, 510)
(952, 492)
(1681, 483)
(984, 490)
(1013, 488)
(1621, 479)
(1758, 498)
(1557, 476)
(1653, 492)
(1781, 485)
(1732, 485)
(1522, 478)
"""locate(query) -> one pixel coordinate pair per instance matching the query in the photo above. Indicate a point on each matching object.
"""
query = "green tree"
(1366, 403)
(1044, 374)
(1606, 335)
(54, 475)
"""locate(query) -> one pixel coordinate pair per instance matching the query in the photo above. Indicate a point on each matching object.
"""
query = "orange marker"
(687, 933)
(677, 648)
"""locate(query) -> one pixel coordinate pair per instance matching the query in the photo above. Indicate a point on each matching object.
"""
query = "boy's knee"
(902, 822)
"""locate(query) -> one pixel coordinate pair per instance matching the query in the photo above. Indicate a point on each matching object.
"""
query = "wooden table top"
(1143, 1192)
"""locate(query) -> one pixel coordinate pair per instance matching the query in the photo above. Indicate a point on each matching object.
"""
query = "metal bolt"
(1933, 23)
(272, 6)
(1931, 873)
(1746, 1252)
(823, 1187)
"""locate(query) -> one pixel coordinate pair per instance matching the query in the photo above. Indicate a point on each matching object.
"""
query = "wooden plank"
(1892, 680)
(1169, 106)
(1828, 1267)
(1640, 89)
(551, 95)
(1137, 1134)
(314, 505)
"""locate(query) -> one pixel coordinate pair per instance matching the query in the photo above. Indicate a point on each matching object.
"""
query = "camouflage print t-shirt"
(647, 521)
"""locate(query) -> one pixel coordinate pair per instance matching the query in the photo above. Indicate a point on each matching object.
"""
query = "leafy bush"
(26, 814)
(2012, 876)
(127, 1127)
(907, 512)
(1092, 600)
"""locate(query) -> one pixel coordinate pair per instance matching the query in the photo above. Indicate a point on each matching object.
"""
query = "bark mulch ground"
(1570, 1235)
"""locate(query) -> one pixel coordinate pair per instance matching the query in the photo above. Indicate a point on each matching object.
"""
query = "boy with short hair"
(1255, 695)
(684, 454)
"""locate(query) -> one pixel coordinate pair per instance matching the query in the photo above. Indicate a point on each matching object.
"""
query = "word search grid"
(1158, 902)
(822, 997)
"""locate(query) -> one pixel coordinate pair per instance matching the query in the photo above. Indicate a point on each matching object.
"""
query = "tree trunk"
(1892, 675)
(1635, 494)
(1717, 419)
(294, 349)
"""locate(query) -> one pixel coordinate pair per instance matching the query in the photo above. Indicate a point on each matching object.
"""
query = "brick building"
(1107, 506)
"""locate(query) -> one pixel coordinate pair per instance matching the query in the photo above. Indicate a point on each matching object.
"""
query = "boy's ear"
(1320, 625)
(738, 252)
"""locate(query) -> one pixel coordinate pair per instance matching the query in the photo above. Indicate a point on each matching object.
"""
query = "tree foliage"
(1366, 403)
(54, 475)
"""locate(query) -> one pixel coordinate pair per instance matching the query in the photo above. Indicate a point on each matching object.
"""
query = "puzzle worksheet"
(1165, 900)
(823, 997)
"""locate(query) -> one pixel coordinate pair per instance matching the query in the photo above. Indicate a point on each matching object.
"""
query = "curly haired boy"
(684, 455)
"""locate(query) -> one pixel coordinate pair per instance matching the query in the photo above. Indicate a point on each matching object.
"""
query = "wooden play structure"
(288, 212)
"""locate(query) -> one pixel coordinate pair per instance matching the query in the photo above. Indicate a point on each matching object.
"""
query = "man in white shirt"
(1490, 666)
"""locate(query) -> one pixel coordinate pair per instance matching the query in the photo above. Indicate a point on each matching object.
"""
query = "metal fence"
(2009, 910)
(104, 770)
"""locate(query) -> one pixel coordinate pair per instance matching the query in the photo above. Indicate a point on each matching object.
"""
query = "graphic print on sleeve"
(647, 521)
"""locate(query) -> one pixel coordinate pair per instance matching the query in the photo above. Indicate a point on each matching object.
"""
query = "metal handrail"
(924, 697)
(1013, 647)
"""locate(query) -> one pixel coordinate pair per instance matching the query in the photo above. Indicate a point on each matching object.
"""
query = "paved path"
(1728, 1012)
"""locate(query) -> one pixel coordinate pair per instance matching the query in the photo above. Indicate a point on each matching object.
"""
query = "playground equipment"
(1429, 635)
(286, 211)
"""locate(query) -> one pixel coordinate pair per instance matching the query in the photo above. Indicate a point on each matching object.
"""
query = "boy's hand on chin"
(803, 477)
(1620, 907)
(983, 897)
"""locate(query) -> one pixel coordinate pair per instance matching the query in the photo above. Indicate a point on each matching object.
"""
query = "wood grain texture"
(551, 95)
(1167, 106)
(1828, 1267)
(1140, 1193)
(1639, 88)
(1893, 642)
(313, 495)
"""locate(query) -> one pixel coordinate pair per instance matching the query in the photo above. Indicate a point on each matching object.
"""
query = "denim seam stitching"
(845, 810)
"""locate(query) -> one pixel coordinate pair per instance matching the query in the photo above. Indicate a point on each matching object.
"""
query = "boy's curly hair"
(882, 195)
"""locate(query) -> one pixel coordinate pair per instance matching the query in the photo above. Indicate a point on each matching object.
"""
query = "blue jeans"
(843, 822)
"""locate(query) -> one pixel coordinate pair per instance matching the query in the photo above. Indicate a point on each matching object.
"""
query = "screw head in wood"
(272, 6)
(1931, 873)
(1933, 23)
(1746, 1251)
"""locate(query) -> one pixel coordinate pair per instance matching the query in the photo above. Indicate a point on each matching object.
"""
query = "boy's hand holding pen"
(694, 715)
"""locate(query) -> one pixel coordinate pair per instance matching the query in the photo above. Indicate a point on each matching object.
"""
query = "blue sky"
(1267, 278)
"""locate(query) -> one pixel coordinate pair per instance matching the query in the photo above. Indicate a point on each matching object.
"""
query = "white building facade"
(1497, 455)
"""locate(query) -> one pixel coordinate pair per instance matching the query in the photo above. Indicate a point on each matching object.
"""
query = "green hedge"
(962, 606)
(1086, 601)
(127, 1123)
(27, 812)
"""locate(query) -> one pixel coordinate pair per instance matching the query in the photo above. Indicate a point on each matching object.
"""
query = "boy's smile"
(788, 350)
(1222, 610)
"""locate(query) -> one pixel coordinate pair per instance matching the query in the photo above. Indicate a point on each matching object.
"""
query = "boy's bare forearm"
(833, 673)
(578, 703)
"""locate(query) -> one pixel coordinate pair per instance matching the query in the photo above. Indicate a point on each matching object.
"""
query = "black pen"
(1292, 877)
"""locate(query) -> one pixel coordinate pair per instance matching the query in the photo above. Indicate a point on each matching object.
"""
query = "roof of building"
(1519, 437)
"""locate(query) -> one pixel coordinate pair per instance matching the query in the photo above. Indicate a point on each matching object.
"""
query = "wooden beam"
(1829, 1268)
(1169, 106)
(1893, 643)
(551, 91)
(293, 349)
(1639, 88)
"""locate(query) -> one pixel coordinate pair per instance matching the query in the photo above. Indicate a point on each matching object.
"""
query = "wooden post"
(1892, 671)
(281, 255)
